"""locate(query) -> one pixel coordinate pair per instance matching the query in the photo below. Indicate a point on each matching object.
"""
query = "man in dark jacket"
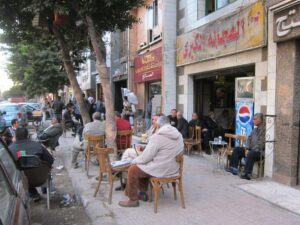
(51, 134)
(69, 122)
(25, 146)
(182, 125)
(173, 117)
(253, 151)
(58, 107)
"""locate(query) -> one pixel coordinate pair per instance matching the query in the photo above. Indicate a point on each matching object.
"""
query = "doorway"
(118, 94)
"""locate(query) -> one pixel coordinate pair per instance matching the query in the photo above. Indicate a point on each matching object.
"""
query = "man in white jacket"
(157, 160)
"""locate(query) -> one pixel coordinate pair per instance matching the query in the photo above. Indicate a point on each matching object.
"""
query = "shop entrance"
(215, 91)
(154, 89)
(118, 94)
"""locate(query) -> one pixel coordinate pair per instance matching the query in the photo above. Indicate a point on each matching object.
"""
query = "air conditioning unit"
(143, 44)
(157, 37)
(149, 35)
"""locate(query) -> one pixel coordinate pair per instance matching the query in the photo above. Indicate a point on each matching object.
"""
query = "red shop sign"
(148, 66)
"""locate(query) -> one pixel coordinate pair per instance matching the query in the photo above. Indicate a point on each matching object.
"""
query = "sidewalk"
(212, 196)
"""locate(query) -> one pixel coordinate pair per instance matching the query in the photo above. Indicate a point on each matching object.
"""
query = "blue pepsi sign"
(244, 118)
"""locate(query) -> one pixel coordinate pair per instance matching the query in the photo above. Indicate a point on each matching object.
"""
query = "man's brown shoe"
(129, 203)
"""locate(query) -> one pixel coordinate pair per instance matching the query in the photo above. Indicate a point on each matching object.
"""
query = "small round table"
(222, 146)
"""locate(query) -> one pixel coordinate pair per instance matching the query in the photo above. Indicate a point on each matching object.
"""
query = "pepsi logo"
(244, 114)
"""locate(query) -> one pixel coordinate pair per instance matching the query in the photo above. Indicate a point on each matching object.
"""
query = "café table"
(221, 146)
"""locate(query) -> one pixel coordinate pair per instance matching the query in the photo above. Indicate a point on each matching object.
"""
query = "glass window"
(152, 15)
(213, 5)
(6, 199)
(155, 13)
(9, 165)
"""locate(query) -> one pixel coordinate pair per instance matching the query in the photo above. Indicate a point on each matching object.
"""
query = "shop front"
(284, 39)
(211, 58)
(148, 73)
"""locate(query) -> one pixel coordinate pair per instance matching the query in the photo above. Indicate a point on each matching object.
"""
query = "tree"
(37, 68)
(17, 20)
(71, 22)
(14, 91)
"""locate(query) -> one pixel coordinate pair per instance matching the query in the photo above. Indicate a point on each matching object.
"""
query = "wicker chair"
(189, 143)
(157, 184)
(106, 168)
(92, 142)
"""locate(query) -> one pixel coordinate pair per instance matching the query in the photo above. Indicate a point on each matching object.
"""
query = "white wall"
(169, 55)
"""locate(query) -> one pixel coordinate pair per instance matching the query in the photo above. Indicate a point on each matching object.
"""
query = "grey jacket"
(256, 139)
(159, 157)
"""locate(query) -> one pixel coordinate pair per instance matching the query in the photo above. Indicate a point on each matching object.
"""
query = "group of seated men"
(20, 143)
(165, 142)
(210, 126)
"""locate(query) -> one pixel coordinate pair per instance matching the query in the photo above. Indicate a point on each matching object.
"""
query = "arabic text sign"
(238, 32)
(287, 23)
(148, 66)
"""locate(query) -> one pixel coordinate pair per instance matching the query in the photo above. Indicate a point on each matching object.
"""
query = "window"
(6, 199)
(213, 5)
(9, 165)
(152, 15)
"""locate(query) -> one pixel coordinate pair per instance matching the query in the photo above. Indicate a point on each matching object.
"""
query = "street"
(60, 213)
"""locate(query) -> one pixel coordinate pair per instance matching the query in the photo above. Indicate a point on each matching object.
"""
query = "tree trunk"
(99, 49)
(68, 65)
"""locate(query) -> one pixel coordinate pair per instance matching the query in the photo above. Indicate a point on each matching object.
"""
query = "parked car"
(28, 109)
(14, 199)
(12, 111)
(2, 121)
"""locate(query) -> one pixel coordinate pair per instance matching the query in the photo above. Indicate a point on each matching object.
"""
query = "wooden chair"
(106, 168)
(92, 142)
(196, 141)
(157, 184)
(123, 140)
(242, 139)
(191, 134)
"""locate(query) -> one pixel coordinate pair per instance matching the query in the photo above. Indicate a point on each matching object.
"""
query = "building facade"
(222, 61)
(283, 67)
(143, 58)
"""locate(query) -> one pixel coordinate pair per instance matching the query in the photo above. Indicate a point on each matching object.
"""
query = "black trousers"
(239, 153)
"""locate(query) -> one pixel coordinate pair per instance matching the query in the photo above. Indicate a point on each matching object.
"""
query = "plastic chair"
(38, 176)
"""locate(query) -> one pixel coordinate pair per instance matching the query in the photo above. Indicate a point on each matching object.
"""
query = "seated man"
(122, 125)
(153, 127)
(69, 122)
(158, 160)
(9, 133)
(25, 146)
(173, 117)
(51, 134)
(182, 125)
(196, 121)
(253, 150)
(96, 128)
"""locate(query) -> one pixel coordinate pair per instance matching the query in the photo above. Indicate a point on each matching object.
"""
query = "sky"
(5, 82)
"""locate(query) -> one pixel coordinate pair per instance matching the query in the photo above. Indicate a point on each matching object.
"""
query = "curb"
(95, 208)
